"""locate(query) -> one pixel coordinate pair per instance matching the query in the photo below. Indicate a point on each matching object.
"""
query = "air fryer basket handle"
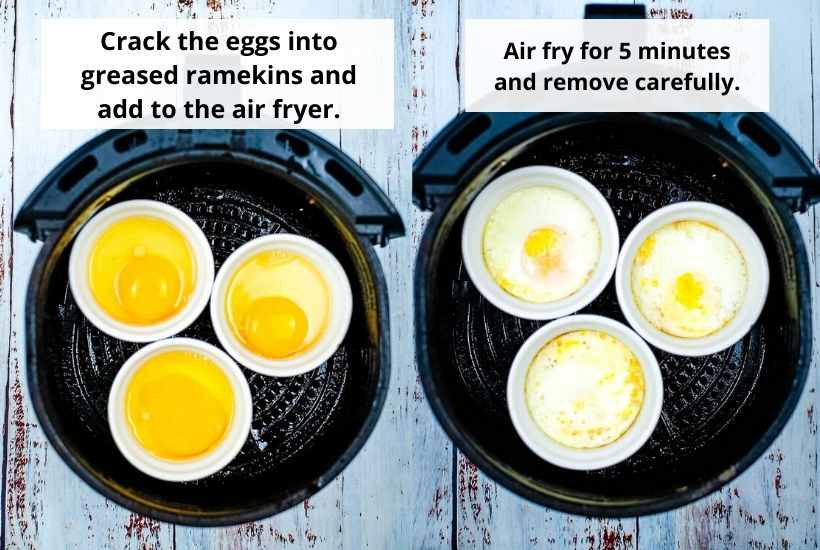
(375, 216)
(79, 176)
(794, 179)
(441, 165)
(462, 146)
(614, 11)
(438, 168)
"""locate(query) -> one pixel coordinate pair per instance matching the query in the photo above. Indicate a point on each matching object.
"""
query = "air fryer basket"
(236, 186)
(720, 412)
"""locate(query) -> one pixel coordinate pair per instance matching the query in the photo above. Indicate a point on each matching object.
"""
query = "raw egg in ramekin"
(281, 304)
(141, 270)
(584, 392)
(540, 242)
(179, 409)
(692, 278)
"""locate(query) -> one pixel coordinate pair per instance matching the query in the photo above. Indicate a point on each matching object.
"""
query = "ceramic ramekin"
(78, 271)
(536, 176)
(756, 265)
(188, 470)
(584, 459)
(341, 305)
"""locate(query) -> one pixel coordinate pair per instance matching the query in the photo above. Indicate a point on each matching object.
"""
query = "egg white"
(584, 389)
(514, 219)
(707, 258)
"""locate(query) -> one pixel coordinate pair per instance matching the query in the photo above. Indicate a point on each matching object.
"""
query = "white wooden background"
(408, 488)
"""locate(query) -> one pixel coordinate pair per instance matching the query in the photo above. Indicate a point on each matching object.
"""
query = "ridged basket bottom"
(702, 395)
(291, 416)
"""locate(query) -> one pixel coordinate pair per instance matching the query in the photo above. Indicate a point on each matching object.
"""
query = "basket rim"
(158, 161)
(542, 126)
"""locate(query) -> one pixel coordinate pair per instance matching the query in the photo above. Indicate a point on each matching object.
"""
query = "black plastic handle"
(437, 171)
(97, 163)
(754, 132)
(474, 139)
(614, 11)
(794, 179)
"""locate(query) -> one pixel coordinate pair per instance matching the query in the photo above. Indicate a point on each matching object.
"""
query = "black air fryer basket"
(236, 185)
(720, 412)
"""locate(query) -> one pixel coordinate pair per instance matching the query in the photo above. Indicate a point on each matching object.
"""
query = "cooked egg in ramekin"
(584, 392)
(179, 409)
(540, 242)
(692, 278)
(584, 388)
(694, 294)
(141, 270)
(281, 304)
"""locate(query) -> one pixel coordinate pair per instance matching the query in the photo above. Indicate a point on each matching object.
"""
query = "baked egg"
(584, 389)
(689, 279)
(541, 244)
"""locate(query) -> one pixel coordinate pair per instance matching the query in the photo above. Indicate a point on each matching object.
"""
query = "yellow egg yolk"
(688, 291)
(543, 248)
(179, 405)
(277, 304)
(542, 242)
(275, 326)
(141, 270)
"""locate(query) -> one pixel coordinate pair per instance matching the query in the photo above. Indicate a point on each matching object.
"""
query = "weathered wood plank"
(404, 472)
(814, 17)
(488, 516)
(8, 42)
(772, 505)
(47, 506)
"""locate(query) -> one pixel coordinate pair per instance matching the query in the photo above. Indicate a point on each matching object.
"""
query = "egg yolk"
(179, 405)
(541, 244)
(543, 248)
(277, 304)
(141, 270)
(688, 291)
(275, 326)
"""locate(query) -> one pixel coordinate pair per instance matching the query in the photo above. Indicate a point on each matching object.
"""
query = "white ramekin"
(341, 305)
(78, 271)
(584, 459)
(757, 270)
(188, 470)
(472, 237)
